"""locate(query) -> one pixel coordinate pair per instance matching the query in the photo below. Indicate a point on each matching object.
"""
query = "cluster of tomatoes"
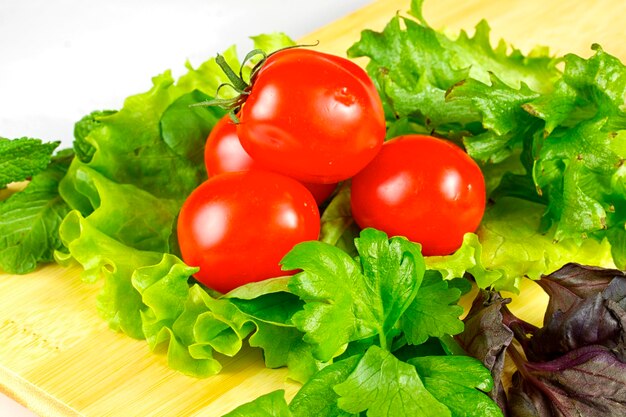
(310, 121)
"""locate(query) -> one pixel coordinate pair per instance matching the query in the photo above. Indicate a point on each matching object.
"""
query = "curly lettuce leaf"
(103, 257)
(149, 295)
(415, 65)
(132, 146)
(124, 212)
(565, 125)
(83, 149)
(508, 246)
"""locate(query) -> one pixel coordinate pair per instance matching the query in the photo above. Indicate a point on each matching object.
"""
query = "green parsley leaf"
(386, 386)
(462, 370)
(317, 397)
(433, 312)
(462, 401)
(268, 405)
(348, 300)
(457, 382)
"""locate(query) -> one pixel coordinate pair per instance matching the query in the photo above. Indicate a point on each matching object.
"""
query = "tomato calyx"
(237, 83)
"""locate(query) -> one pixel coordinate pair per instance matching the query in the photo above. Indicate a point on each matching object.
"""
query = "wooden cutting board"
(58, 357)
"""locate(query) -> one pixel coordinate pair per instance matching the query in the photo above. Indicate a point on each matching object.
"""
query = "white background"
(62, 59)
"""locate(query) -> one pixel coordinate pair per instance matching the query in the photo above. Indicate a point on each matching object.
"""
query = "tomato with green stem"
(236, 227)
(309, 115)
(223, 153)
(424, 188)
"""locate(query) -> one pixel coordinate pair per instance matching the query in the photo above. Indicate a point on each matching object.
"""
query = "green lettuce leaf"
(124, 212)
(83, 149)
(415, 65)
(563, 124)
(103, 257)
(126, 193)
(509, 245)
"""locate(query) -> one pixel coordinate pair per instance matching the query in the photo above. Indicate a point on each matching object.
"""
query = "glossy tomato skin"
(312, 116)
(223, 153)
(236, 227)
(426, 189)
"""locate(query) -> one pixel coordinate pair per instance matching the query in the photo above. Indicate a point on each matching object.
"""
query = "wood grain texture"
(58, 357)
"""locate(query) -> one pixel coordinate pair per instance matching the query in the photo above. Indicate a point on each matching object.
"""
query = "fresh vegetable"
(82, 148)
(555, 137)
(236, 227)
(423, 188)
(360, 319)
(364, 306)
(312, 116)
(575, 364)
(223, 153)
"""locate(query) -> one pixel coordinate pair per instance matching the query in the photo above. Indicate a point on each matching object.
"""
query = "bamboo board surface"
(58, 357)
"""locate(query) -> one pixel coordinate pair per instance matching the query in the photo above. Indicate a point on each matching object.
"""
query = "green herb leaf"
(462, 401)
(268, 405)
(30, 219)
(348, 300)
(386, 386)
(317, 397)
(462, 370)
(22, 158)
(434, 311)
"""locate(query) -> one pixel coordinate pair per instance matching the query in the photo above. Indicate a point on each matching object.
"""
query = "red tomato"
(426, 189)
(223, 153)
(312, 116)
(236, 227)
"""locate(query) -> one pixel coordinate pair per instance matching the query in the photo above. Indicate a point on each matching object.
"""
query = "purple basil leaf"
(574, 282)
(590, 382)
(592, 315)
(486, 338)
(524, 400)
